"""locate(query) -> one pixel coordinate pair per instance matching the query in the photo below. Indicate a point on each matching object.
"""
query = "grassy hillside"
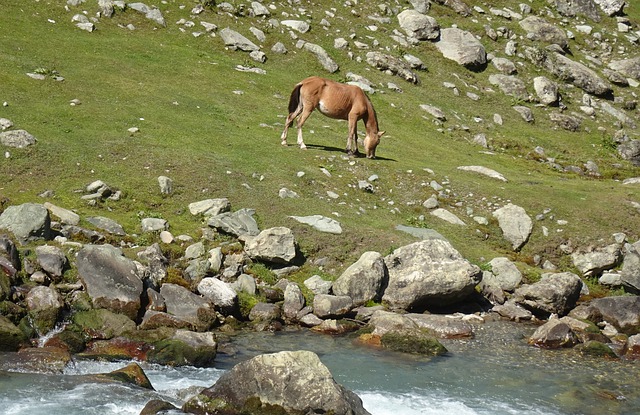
(215, 131)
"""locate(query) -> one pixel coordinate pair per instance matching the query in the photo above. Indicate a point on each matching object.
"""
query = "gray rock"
(331, 306)
(210, 207)
(52, 260)
(421, 6)
(504, 65)
(441, 326)
(630, 274)
(484, 171)
(157, 265)
(623, 312)
(293, 382)
(435, 112)
(106, 224)
(364, 280)
(297, 25)
(317, 285)
(419, 26)
(541, 30)
(553, 294)
(510, 85)
(320, 223)
(618, 114)
(323, 57)
(546, 90)
(219, 293)
(111, 280)
(565, 121)
(265, 313)
(279, 48)
(600, 259)
(276, 245)
(428, 273)
(236, 41)
(45, 305)
(525, 112)
(11, 337)
(246, 284)
(187, 307)
(27, 222)
(5, 123)
(515, 224)
(504, 275)
(259, 9)
(513, 311)
(447, 216)
(392, 64)
(569, 71)
(154, 225)
(554, 334)
(17, 138)
(611, 7)
(293, 302)
(166, 185)
(462, 47)
(630, 151)
(237, 223)
(64, 215)
(573, 8)
(458, 6)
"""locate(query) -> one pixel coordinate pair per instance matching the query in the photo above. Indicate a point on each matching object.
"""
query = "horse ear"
(381, 133)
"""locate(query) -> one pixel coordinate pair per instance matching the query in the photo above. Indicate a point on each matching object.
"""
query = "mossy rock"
(202, 404)
(11, 337)
(415, 342)
(12, 311)
(5, 287)
(174, 352)
(131, 374)
(69, 340)
(102, 324)
(157, 406)
(597, 349)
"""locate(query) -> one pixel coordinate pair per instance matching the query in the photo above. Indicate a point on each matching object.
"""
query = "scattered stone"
(516, 225)
(320, 223)
(484, 171)
(462, 47)
(17, 138)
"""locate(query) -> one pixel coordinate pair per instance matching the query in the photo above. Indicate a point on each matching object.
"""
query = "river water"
(495, 373)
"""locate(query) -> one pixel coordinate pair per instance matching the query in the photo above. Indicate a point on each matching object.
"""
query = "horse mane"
(371, 109)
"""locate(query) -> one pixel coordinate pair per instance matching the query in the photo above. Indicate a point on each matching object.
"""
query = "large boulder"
(188, 307)
(504, 275)
(572, 8)
(17, 138)
(541, 30)
(325, 306)
(276, 245)
(462, 47)
(630, 67)
(27, 222)
(596, 261)
(11, 337)
(510, 85)
(553, 294)
(236, 223)
(285, 383)
(569, 71)
(419, 26)
(611, 7)
(623, 312)
(364, 280)
(429, 273)
(111, 279)
(185, 348)
(516, 225)
(396, 66)
(235, 41)
(323, 57)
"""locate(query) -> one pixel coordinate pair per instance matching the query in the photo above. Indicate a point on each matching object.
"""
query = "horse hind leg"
(290, 118)
(352, 138)
(305, 114)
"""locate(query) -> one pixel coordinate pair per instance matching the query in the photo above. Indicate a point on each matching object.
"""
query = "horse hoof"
(303, 147)
(284, 143)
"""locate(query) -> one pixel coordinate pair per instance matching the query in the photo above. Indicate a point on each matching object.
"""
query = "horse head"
(371, 141)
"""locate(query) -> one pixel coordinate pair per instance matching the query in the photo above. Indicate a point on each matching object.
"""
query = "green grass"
(179, 91)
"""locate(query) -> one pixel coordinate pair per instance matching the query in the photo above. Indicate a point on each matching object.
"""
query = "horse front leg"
(352, 138)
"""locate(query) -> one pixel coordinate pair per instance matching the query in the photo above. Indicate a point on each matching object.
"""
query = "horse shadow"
(341, 150)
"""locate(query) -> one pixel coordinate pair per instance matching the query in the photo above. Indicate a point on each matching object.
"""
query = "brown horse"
(335, 100)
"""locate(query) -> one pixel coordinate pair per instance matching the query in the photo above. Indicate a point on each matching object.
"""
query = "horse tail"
(294, 101)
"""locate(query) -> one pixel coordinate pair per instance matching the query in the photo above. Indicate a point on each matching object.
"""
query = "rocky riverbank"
(73, 290)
